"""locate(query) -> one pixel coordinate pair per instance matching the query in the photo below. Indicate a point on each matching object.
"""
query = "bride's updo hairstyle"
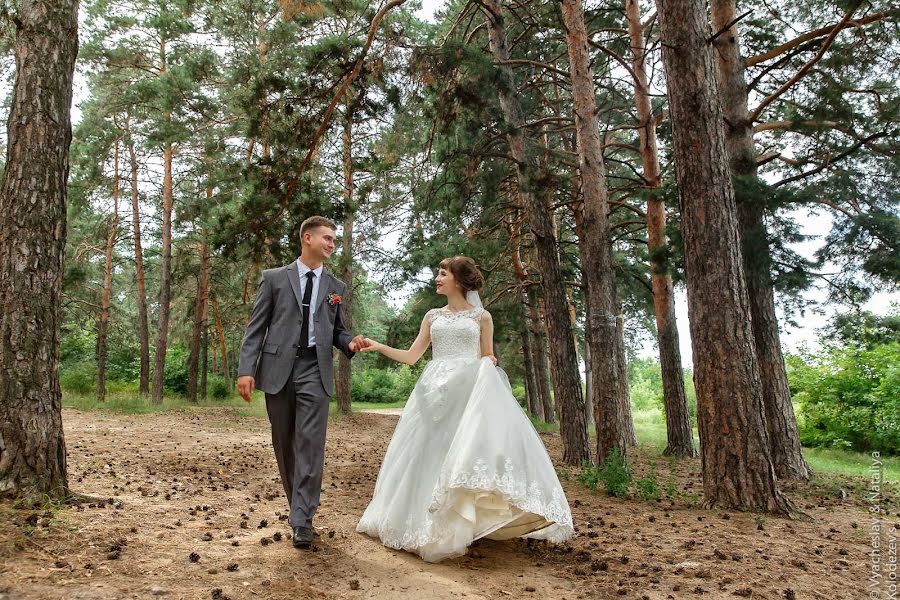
(465, 271)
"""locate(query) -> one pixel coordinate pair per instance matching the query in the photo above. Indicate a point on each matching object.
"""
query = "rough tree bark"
(679, 438)
(204, 353)
(781, 422)
(143, 319)
(32, 244)
(199, 313)
(532, 395)
(737, 468)
(165, 268)
(220, 331)
(541, 360)
(344, 373)
(103, 321)
(610, 418)
(566, 377)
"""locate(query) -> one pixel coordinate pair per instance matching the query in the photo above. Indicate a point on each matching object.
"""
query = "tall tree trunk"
(679, 437)
(737, 468)
(32, 246)
(344, 373)
(199, 314)
(609, 417)
(103, 322)
(532, 395)
(214, 347)
(204, 353)
(566, 377)
(165, 281)
(541, 360)
(220, 330)
(165, 274)
(143, 319)
(781, 422)
(624, 391)
(588, 381)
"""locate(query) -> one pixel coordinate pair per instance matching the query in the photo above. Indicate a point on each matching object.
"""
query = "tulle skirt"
(464, 463)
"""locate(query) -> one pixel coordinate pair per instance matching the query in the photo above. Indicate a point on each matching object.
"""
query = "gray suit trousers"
(298, 414)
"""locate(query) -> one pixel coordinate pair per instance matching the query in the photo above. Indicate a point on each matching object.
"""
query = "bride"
(464, 462)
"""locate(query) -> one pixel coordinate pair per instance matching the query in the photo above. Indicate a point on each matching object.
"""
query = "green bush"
(615, 474)
(176, 372)
(77, 344)
(518, 392)
(383, 386)
(648, 487)
(216, 387)
(646, 387)
(79, 377)
(123, 361)
(849, 397)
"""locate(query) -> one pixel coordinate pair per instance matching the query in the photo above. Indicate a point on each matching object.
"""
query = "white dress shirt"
(303, 269)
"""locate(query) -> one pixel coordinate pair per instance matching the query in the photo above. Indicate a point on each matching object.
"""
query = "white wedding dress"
(464, 462)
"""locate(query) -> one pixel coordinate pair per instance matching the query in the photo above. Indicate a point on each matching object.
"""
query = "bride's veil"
(473, 298)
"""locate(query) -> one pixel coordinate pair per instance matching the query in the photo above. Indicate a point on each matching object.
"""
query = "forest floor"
(194, 509)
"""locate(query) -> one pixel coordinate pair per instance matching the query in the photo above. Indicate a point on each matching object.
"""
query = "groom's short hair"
(316, 221)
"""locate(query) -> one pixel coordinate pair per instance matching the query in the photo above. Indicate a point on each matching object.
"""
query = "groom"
(287, 353)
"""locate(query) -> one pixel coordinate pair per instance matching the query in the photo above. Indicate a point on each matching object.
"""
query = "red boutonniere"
(334, 299)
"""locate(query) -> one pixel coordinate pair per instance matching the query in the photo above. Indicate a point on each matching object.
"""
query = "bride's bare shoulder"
(485, 316)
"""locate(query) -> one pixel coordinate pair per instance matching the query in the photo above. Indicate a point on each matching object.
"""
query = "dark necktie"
(307, 297)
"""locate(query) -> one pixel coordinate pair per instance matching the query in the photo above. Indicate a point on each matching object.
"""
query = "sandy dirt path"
(196, 510)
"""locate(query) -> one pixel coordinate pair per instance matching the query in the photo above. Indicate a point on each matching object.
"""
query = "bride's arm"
(487, 336)
(415, 351)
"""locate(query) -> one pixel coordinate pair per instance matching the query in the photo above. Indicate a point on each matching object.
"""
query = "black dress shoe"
(303, 537)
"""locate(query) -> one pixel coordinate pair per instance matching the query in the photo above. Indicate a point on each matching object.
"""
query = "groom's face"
(320, 241)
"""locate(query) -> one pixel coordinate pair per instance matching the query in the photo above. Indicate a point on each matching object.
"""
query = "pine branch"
(817, 33)
(791, 124)
(805, 68)
(326, 118)
(837, 158)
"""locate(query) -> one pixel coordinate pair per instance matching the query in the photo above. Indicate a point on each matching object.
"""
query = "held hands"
(358, 344)
(245, 384)
(371, 346)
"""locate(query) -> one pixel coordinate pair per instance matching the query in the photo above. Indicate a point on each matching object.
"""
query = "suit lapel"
(324, 290)
(293, 276)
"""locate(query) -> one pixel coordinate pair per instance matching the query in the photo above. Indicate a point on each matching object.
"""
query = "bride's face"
(445, 283)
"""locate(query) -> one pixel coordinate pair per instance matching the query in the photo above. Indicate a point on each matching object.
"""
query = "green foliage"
(614, 473)
(646, 386)
(77, 343)
(518, 392)
(217, 388)
(865, 328)
(383, 386)
(176, 373)
(79, 377)
(648, 487)
(849, 397)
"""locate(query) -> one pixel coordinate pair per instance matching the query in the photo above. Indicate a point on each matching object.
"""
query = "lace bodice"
(455, 334)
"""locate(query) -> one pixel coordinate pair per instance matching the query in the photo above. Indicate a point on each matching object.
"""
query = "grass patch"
(847, 462)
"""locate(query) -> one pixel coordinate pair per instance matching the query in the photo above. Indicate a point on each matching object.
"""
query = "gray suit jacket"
(273, 333)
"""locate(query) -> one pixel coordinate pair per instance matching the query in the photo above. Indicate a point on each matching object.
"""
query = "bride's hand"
(492, 357)
(370, 345)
